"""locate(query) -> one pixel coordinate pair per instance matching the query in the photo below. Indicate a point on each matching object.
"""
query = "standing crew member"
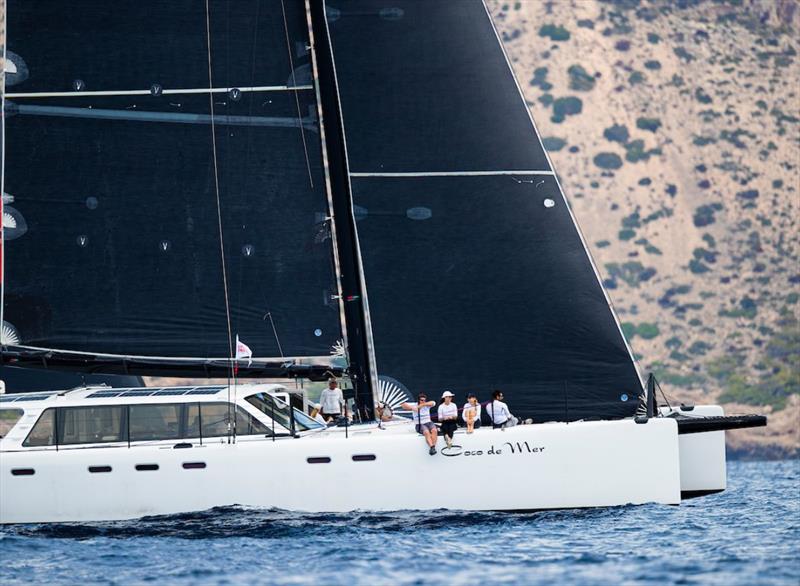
(448, 417)
(422, 418)
(331, 401)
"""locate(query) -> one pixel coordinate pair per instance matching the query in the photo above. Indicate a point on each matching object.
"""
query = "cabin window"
(215, 417)
(43, 433)
(155, 422)
(8, 419)
(280, 411)
(91, 425)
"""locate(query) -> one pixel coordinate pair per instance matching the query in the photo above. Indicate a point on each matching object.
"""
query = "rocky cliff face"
(674, 128)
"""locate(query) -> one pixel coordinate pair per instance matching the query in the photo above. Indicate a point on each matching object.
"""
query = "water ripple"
(746, 535)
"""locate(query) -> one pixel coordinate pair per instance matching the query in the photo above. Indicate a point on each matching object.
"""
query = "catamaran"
(351, 187)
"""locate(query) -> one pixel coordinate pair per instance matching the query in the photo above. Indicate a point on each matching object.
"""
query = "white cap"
(447, 394)
(317, 406)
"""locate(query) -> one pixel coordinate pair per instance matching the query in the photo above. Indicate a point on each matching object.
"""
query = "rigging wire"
(231, 371)
(274, 331)
(296, 95)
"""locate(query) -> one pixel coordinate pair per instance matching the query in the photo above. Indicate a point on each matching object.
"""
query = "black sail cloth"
(121, 253)
(476, 273)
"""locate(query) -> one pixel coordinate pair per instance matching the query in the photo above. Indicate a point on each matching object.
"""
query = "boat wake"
(237, 522)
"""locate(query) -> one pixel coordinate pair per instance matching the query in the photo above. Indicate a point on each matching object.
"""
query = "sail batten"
(454, 173)
(159, 91)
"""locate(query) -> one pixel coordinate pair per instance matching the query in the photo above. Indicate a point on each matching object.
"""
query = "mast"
(356, 313)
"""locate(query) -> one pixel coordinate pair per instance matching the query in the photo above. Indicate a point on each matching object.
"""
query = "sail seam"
(453, 173)
(564, 197)
(147, 92)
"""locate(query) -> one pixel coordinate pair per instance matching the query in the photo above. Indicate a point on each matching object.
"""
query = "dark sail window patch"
(419, 213)
(393, 13)
(359, 213)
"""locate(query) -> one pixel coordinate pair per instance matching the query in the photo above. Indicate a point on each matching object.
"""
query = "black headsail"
(477, 275)
(112, 244)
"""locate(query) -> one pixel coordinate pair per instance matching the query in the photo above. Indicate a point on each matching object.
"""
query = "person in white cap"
(448, 417)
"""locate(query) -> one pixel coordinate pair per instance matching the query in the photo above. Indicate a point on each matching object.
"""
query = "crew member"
(421, 411)
(331, 401)
(499, 413)
(448, 417)
(472, 413)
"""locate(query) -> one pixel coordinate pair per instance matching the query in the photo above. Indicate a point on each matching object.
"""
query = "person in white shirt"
(331, 401)
(472, 413)
(498, 412)
(421, 413)
(448, 417)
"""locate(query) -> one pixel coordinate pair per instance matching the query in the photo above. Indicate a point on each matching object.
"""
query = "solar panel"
(211, 391)
(145, 393)
(164, 392)
(101, 394)
(34, 397)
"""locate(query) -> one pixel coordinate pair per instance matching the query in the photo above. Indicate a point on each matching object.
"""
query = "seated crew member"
(448, 417)
(331, 401)
(498, 412)
(421, 412)
(472, 413)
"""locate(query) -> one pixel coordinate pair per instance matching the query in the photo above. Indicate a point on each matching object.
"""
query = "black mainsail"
(111, 166)
(477, 275)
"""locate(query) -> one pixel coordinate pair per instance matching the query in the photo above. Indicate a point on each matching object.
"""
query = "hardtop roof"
(185, 393)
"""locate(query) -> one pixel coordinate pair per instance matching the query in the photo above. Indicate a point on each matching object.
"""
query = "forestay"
(113, 242)
(476, 272)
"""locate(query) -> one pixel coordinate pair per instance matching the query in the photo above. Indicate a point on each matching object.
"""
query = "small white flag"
(243, 351)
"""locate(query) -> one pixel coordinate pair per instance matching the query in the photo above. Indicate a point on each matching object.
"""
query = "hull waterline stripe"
(454, 173)
(218, 90)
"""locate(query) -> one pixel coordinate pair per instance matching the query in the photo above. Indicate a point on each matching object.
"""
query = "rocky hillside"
(675, 130)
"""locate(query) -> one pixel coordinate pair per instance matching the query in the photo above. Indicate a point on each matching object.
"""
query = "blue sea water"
(749, 534)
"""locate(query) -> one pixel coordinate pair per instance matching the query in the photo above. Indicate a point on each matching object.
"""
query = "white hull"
(582, 464)
(703, 463)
